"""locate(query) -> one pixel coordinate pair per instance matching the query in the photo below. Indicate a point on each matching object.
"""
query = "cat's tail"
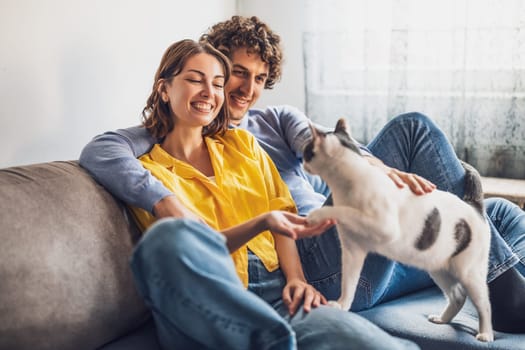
(473, 190)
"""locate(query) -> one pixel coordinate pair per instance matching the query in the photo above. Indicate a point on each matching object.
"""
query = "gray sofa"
(65, 281)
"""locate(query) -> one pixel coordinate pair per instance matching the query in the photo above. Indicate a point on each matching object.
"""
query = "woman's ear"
(161, 90)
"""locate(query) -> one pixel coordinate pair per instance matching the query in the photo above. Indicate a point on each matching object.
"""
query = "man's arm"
(296, 130)
(295, 127)
(111, 158)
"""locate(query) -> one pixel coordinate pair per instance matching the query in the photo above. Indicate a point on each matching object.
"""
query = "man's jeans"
(186, 276)
(413, 143)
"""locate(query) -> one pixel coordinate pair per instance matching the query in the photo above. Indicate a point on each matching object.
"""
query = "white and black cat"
(437, 232)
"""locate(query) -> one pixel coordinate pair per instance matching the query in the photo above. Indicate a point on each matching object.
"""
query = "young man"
(410, 144)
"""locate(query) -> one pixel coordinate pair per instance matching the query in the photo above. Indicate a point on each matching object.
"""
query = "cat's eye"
(308, 152)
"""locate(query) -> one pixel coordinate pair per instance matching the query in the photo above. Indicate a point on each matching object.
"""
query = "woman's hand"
(278, 222)
(293, 225)
(297, 291)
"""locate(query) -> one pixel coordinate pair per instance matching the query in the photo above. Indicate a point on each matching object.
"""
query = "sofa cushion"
(406, 317)
(65, 245)
(143, 338)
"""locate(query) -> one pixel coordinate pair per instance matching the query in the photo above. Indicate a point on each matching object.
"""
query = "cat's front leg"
(353, 258)
(380, 228)
(318, 216)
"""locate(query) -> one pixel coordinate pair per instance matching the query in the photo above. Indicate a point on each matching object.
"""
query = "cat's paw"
(315, 217)
(334, 304)
(435, 319)
(485, 337)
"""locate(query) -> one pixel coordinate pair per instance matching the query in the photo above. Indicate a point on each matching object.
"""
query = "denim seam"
(326, 278)
(366, 285)
(511, 261)
(501, 268)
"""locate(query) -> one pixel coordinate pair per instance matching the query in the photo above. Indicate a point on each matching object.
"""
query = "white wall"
(71, 69)
(286, 18)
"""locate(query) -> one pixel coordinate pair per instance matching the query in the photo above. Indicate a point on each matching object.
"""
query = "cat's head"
(326, 147)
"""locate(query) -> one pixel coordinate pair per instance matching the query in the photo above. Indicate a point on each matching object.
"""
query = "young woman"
(232, 278)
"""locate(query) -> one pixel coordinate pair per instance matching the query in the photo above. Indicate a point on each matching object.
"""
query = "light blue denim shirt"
(281, 130)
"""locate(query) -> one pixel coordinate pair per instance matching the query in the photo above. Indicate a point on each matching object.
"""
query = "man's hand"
(297, 291)
(417, 184)
(170, 206)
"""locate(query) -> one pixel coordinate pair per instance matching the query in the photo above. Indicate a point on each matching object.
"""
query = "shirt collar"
(166, 160)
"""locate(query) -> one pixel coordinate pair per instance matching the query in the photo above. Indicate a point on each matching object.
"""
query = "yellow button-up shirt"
(246, 184)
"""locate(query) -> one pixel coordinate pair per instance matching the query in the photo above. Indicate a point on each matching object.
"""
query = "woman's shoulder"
(237, 135)
(238, 140)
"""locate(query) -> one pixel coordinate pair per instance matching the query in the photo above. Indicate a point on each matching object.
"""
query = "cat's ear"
(341, 125)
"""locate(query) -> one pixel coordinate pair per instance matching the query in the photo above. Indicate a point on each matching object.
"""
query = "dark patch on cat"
(473, 194)
(308, 150)
(341, 134)
(347, 141)
(430, 230)
(462, 235)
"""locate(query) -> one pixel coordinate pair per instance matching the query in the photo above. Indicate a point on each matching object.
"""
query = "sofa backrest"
(65, 244)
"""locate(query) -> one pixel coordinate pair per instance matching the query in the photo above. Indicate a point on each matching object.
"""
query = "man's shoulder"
(282, 117)
(137, 133)
(276, 111)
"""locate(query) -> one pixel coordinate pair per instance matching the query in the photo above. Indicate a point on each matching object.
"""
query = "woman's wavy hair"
(157, 115)
(252, 34)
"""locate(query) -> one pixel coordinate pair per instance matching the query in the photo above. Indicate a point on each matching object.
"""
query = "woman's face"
(196, 94)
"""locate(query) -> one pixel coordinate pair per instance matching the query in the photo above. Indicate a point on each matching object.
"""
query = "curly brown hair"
(250, 33)
(157, 115)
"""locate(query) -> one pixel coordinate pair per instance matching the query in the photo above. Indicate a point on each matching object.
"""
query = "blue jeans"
(413, 143)
(186, 276)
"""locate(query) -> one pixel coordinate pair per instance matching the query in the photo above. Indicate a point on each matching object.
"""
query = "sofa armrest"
(65, 280)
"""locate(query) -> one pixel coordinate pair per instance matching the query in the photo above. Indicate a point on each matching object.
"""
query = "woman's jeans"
(186, 276)
(413, 143)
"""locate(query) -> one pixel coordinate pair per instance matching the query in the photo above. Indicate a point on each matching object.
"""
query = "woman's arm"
(286, 227)
(297, 289)
(278, 222)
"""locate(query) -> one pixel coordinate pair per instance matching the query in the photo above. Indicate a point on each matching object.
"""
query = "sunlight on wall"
(70, 70)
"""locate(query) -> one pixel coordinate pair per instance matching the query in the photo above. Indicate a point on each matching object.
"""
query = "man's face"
(249, 74)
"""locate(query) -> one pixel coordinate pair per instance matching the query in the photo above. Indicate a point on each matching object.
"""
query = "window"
(461, 62)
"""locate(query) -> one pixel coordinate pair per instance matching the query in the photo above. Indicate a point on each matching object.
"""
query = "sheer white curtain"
(461, 62)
